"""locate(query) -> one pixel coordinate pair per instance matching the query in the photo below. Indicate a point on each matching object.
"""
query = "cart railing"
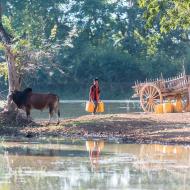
(179, 82)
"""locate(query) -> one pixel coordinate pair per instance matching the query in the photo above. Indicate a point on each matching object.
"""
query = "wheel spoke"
(156, 95)
(146, 92)
(143, 101)
(155, 92)
(152, 91)
(152, 106)
(152, 103)
(147, 107)
(145, 97)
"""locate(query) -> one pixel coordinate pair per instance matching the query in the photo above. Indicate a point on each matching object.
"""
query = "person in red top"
(94, 94)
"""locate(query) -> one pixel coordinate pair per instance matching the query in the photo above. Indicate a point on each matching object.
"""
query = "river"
(76, 108)
(60, 164)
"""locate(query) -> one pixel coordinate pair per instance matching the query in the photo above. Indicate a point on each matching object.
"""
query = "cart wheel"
(150, 96)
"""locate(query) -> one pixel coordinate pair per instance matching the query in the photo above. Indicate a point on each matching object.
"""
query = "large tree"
(7, 42)
(28, 31)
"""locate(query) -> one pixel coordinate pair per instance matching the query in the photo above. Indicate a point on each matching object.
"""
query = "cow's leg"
(57, 111)
(50, 113)
(28, 113)
(58, 115)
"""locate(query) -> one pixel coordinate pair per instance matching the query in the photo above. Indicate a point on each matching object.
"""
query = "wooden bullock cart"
(157, 91)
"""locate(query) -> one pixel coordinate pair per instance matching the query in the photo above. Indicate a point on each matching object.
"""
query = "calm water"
(70, 109)
(67, 165)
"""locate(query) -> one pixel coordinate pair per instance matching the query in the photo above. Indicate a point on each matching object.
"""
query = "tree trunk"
(14, 83)
(13, 79)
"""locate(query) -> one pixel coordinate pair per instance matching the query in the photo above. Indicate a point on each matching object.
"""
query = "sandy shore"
(171, 128)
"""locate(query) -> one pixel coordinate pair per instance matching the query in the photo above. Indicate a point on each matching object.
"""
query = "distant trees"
(66, 43)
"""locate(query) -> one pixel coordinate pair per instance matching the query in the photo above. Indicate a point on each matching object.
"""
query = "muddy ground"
(173, 128)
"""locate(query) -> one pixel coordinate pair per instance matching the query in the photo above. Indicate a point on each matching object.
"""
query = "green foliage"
(64, 44)
(53, 32)
(4, 70)
(171, 14)
(150, 41)
(2, 47)
(8, 25)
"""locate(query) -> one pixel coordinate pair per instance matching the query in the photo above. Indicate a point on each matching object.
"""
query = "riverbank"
(128, 128)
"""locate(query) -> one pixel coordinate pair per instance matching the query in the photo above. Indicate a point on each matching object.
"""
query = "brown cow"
(28, 100)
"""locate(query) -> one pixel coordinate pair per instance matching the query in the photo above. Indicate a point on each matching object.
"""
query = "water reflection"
(159, 157)
(62, 166)
(94, 148)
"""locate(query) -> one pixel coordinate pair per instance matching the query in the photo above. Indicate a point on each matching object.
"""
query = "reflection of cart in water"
(158, 157)
(94, 148)
(155, 91)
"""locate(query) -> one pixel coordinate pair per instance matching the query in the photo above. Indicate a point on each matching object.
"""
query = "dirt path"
(171, 128)
(130, 128)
